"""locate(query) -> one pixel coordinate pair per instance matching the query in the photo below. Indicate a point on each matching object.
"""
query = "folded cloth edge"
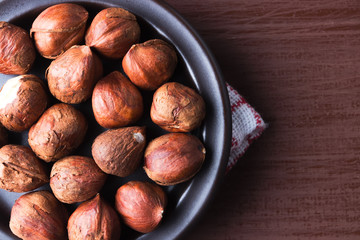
(247, 126)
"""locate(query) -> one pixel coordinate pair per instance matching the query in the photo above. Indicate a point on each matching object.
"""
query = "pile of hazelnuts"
(55, 132)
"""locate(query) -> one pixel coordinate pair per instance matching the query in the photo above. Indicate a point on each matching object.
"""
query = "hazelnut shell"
(173, 158)
(112, 32)
(119, 151)
(22, 100)
(94, 219)
(72, 76)
(150, 64)
(58, 132)
(39, 216)
(116, 102)
(141, 205)
(17, 52)
(177, 108)
(75, 179)
(20, 169)
(59, 27)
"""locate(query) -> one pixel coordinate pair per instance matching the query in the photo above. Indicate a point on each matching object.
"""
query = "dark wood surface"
(298, 64)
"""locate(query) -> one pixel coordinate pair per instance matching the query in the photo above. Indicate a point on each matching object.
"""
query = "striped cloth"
(247, 125)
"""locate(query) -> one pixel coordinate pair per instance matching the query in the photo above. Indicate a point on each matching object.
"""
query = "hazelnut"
(22, 100)
(150, 64)
(76, 179)
(112, 32)
(58, 132)
(141, 205)
(72, 76)
(17, 52)
(3, 136)
(94, 219)
(59, 27)
(116, 101)
(20, 169)
(38, 216)
(173, 158)
(177, 108)
(119, 151)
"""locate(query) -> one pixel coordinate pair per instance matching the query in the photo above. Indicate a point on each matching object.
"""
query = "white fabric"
(247, 125)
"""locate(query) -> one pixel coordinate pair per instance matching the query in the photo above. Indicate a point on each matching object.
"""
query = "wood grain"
(298, 64)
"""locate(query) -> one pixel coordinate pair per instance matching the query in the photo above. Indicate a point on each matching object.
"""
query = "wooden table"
(298, 64)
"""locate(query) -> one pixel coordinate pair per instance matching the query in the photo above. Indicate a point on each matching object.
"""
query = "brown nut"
(17, 52)
(141, 205)
(177, 108)
(59, 27)
(112, 32)
(38, 216)
(20, 169)
(116, 101)
(76, 179)
(94, 219)
(3, 135)
(119, 151)
(72, 76)
(59, 131)
(150, 64)
(22, 100)
(173, 158)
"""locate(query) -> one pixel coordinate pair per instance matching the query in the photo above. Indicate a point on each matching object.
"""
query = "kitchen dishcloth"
(247, 125)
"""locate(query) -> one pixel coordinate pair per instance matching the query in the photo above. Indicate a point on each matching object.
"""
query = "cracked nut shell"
(94, 219)
(150, 64)
(22, 100)
(177, 108)
(141, 205)
(58, 132)
(59, 27)
(17, 52)
(72, 76)
(116, 102)
(75, 179)
(112, 32)
(119, 151)
(38, 216)
(173, 158)
(20, 169)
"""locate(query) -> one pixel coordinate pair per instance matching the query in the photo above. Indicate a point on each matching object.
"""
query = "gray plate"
(197, 69)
